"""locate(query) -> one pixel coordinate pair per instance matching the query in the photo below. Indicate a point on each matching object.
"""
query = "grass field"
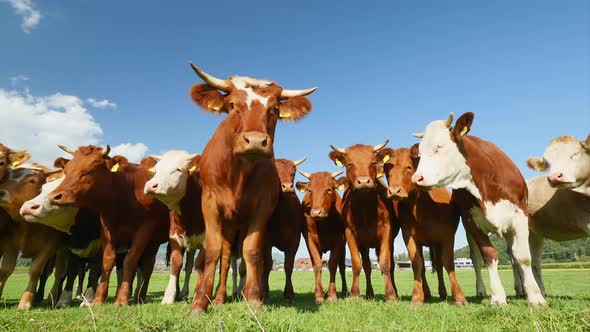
(568, 310)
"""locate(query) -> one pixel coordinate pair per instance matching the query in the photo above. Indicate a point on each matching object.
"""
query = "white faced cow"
(489, 189)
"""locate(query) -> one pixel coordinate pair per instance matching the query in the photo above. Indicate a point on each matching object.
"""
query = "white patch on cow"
(502, 215)
(170, 293)
(64, 299)
(171, 176)
(241, 83)
(19, 174)
(58, 217)
(496, 288)
(573, 161)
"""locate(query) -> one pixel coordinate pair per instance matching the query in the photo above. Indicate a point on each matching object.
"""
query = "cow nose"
(154, 186)
(418, 179)
(255, 140)
(287, 187)
(556, 179)
(317, 212)
(393, 191)
(34, 207)
(364, 182)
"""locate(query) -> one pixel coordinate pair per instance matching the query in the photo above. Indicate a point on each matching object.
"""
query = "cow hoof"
(64, 300)
(332, 298)
(480, 294)
(537, 301)
(498, 300)
(196, 312)
(417, 302)
(319, 300)
(462, 302)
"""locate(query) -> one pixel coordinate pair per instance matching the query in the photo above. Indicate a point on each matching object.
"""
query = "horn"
(449, 120)
(305, 174)
(337, 149)
(105, 151)
(66, 149)
(296, 93)
(586, 144)
(380, 146)
(158, 157)
(335, 174)
(300, 161)
(213, 81)
(418, 135)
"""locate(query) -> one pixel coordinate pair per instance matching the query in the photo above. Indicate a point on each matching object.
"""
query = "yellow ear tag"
(152, 170)
(386, 158)
(464, 131)
(115, 168)
(303, 190)
(539, 168)
(15, 163)
(380, 174)
(285, 115)
(341, 187)
(192, 169)
(338, 163)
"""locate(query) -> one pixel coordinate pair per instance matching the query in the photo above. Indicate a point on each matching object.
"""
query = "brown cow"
(129, 218)
(490, 191)
(426, 218)
(324, 229)
(285, 227)
(240, 182)
(35, 241)
(370, 216)
(9, 159)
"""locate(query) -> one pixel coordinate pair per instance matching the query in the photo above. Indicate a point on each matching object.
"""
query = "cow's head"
(321, 192)
(254, 106)
(40, 209)
(361, 164)
(399, 165)
(568, 162)
(11, 158)
(171, 174)
(87, 177)
(286, 170)
(22, 184)
(441, 162)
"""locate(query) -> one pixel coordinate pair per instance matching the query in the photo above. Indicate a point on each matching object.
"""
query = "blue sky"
(383, 71)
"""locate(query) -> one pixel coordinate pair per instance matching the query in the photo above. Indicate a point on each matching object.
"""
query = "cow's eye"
(232, 106)
(575, 155)
(409, 167)
(2, 162)
(438, 148)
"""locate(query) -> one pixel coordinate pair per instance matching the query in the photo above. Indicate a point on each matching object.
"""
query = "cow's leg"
(37, 266)
(316, 260)
(108, 262)
(437, 264)
(516, 273)
(385, 253)
(130, 264)
(72, 271)
(266, 268)
(417, 266)
(332, 266)
(9, 256)
(47, 270)
(522, 254)
(221, 293)
(242, 269)
(367, 268)
(356, 262)
(93, 275)
(188, 269)
(425, 287)
(148, 260)
(81, 276)
(176, 254)
(477, 260)
(62, 257)
(120, 258)
(448, 260)
(199, 267)
(289, 293)
(234, 278)
(342, 267)
(252, 252)
(536, 244)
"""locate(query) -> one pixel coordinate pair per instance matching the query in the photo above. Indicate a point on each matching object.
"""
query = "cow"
(369, 215)
(285, 227)
(177, 183)
(129, 218)
(240, 182)
(9, 158)
(426, 219)
(324, 228)
(35, 241)
(490, 190)
(559, 203)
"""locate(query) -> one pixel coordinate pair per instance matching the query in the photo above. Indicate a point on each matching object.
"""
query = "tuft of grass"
(568, 309)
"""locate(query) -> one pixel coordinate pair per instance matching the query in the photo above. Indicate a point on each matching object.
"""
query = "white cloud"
(31, 16)
(105, 103)
(38, 124)
(133, 152)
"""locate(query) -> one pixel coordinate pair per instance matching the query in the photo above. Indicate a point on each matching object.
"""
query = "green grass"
(568, 310)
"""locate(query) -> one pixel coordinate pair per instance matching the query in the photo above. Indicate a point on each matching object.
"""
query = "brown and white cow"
(35, 241)
(285, 226)
(426, 219)
(324, 229)
(9, 158)
(490, 191)
(370, 216)
(129, 218)
(240, 182)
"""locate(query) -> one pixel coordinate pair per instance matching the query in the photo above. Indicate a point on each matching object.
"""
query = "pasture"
(568, 309)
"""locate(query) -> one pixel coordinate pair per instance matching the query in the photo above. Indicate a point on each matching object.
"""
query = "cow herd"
(236, 201)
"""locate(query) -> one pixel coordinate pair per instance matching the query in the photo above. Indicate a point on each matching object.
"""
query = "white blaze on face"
(241, 82)
(40, 210)
(441, 164)
(170, 178)
(570, 159)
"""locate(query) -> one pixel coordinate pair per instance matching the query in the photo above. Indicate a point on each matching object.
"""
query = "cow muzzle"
(29, 211)
(287, 187)
(396, 193)
(558, 180)
(363, 182)
(254, 144)
(318, 213)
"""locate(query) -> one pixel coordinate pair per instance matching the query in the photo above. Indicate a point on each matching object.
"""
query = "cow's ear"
(538, 164)
(116, 163)
(384, 155)
(302, 186)
(60, 162)
(149, 163)
(337, 157)
(18, 157)
(586, 144)
(463, 125)
(341, 183)
(415, 154)
(208, 98)
(193, 164)
(294, 108)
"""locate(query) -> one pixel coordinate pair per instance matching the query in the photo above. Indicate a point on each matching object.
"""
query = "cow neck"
(189, 208)
(364, 200)
(583, 189)
(115, 202)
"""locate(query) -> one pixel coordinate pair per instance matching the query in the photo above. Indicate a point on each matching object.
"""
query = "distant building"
(463, 263)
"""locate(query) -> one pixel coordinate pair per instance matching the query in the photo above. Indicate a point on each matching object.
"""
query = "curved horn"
(105, 151)
(418, 135)
(335, 174)
(66, 149)
(296, 93)
(449, 120)
(305, 174)
(213, 81)
(337, 149)
(380, 146)
(300, 161)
